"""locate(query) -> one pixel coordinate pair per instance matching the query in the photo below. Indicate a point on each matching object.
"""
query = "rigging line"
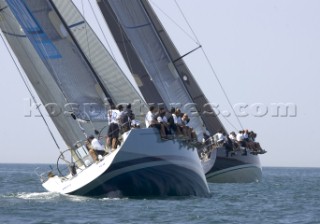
(103, 34)
(183, 30)
(223, 90)
(211, 67)
(30, 92)
(235, 128)
(185, 19)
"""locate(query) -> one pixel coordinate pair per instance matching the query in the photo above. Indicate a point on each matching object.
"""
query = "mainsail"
(71, 71)
(137, 30)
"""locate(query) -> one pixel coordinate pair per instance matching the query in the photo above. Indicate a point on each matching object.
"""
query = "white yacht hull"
(234, 169)
(143, 166)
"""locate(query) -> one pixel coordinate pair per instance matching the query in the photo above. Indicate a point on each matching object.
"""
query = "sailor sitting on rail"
(151, 122)
(96, 146)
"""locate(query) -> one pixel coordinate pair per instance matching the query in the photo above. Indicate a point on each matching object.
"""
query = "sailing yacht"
(77, 81)
(163, 77)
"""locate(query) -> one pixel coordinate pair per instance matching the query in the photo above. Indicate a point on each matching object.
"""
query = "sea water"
(285, 195)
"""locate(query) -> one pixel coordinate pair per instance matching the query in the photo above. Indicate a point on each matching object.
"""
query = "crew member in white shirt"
(113, 131)
(152, 122)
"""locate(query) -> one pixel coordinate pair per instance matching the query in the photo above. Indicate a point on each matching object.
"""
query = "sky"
(263, 53)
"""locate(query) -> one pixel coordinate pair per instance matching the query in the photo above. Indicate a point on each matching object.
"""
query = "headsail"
(136, 28)
(55, 59)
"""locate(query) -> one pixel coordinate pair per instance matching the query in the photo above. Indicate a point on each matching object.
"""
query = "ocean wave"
(37, 195)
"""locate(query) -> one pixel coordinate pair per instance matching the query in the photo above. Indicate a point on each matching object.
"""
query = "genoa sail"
(137, 29)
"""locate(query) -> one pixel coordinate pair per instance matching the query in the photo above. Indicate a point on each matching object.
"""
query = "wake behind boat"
(77, 82)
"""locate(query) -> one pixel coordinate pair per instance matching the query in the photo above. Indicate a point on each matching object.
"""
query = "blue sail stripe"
(41, 42)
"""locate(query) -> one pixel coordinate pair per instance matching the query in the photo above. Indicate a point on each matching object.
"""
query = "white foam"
(37, 195)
